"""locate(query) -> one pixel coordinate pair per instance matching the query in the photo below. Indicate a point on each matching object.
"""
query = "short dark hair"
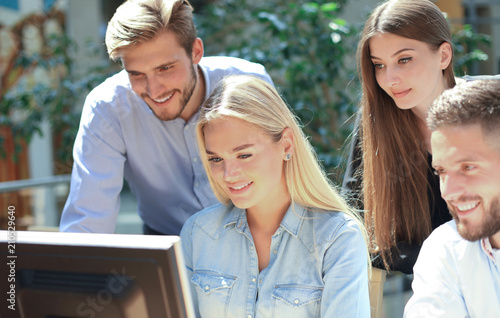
(468, 103)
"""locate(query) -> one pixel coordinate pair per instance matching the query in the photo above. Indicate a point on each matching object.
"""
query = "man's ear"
(446, 54)
(197, 52)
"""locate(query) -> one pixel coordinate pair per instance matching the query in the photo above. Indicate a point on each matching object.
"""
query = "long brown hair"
(395, 166)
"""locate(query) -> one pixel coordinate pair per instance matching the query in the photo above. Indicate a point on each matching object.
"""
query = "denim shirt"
(317, 266)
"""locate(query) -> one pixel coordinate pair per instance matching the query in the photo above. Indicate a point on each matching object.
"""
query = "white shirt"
(120, 137)
(455, 278)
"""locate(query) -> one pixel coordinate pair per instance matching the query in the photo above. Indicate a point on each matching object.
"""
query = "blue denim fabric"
(317, 267)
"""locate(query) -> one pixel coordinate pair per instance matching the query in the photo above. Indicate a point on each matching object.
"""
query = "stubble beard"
(490, 224)
(183, 101)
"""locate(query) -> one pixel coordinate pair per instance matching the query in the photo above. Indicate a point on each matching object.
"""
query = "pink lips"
(239, 189)
(401, 93)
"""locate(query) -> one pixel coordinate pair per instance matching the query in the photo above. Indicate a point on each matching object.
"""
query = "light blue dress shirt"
(317, 267)
(119, 136)
(455, 278)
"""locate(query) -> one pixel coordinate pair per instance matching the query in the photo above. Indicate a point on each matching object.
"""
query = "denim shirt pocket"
(297, 300)
(214, 292)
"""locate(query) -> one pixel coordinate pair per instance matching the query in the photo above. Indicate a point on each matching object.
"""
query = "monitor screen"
(70, 275)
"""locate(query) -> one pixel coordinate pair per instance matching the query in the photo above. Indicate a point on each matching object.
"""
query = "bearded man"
(457, 273)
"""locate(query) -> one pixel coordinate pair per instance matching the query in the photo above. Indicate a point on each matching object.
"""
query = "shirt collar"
(208, 87)
(291, 222)
(488, 249)
(293, 219)
(194, 119)
(238, 219)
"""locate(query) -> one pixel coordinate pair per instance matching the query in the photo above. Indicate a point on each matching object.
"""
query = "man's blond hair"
(139, 21)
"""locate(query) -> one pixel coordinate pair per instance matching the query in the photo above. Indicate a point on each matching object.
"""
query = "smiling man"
(457, 273)
(140, 123)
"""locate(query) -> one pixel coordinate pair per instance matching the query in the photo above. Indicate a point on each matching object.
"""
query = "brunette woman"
(405, 61)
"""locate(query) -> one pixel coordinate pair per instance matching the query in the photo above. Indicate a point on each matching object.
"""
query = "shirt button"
(207, 287)
(249, 316)
(296, 301)
(260, 281)
(275, 251)
(253, 280)
(251, 247)
(195, 159)
(196, 184)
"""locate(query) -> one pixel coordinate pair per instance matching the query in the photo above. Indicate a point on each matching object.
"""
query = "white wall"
(84, 25)
(356, 11)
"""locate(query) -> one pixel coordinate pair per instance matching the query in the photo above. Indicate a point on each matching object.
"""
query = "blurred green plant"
(305, 47)
(309, 51)
(467, 51)
(57, 99)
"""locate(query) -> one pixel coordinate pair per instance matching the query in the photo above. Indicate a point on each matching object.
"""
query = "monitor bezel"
(69, 252)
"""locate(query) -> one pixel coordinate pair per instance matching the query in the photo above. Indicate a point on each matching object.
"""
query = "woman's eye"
(245, 156)
(378, 66)
(215, 159)
(405, 60)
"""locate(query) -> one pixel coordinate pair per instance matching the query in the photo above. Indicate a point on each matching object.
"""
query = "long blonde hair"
(395, 185)
(257, 102)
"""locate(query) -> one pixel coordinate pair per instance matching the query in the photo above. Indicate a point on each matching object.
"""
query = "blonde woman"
(282, 242)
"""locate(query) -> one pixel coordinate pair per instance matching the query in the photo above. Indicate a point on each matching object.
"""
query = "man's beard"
(183, 101)
(490, 224)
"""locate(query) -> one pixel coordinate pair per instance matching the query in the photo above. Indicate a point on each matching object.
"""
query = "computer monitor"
(75, 275)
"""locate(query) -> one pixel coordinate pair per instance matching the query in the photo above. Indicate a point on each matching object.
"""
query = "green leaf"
(329, 7)
(479, 55)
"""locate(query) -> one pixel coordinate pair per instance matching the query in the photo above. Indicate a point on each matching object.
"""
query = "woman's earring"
(288, 157)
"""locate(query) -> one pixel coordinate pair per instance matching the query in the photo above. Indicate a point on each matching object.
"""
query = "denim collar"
(291, 221)
(235, 218)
